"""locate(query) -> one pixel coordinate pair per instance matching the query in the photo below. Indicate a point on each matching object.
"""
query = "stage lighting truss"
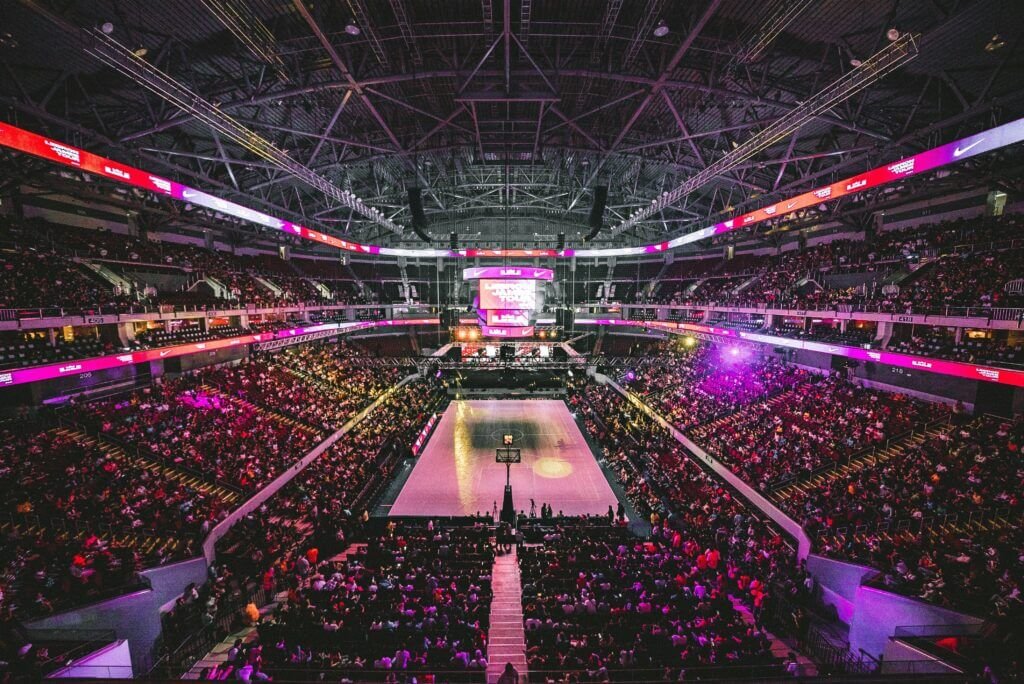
(872, 70)
(779, 16)
(250, 32)
(120, 58)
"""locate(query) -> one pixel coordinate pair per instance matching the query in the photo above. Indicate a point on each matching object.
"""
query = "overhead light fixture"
(997, 42)
(140, 52)
(661, 30)
(107, 28)
(893, 34)
(855, 62)
(351, 29)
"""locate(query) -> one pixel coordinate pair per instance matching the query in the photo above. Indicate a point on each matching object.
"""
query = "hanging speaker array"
(419, 218)
(597, 211)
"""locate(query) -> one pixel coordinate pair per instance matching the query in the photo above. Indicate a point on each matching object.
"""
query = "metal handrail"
(796, 478)
(91, 428)
(919, 525)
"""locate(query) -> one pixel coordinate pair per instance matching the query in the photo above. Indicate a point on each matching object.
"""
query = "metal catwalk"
(457, 475)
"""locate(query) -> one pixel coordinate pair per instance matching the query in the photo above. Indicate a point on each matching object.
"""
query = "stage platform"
(456, 473)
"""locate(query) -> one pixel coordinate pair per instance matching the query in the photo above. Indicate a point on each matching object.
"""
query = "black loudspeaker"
(454, 354)
(559, 354)
(448, 318)
(597, 211)
(419, 219)
(565, 318)
(561, 242)
(508, 352)
(453, 241)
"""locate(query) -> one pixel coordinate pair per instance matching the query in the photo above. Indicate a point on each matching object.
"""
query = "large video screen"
(508, 294)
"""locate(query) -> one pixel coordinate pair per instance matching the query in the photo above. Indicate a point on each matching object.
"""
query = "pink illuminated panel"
(970, 371)
(506, 332)
(956, 151)
(62, 153)
(518, 317)
(68, 368)
(421, 439)
(508, 272)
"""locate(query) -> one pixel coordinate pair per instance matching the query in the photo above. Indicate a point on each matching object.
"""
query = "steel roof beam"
(879, 65)
(656, 87)
(571, 73)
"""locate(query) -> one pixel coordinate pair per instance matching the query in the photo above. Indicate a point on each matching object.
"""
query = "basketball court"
(457, 475)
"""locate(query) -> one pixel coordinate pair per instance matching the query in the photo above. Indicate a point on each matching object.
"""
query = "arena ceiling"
(506, 114)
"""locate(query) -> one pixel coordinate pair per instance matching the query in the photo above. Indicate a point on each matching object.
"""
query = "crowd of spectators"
(319, 399)
(181, 424)
(287, 544)
(38, 270)
(969, 277)
(186, 334)
(939, 343)
(666, 601)
(82, 518)
(818, 421)
(413, 599)
(937, 516)
(691, 385)
(236, 425)
(21, 348)
(972, 276)
(604, 604)
(32, 278)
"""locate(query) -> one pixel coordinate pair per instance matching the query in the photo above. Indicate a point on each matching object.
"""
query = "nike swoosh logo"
(164, 353)
(958, 151)
(790, 205)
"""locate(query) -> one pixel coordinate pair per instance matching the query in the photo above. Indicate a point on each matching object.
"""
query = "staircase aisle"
(781, 648)
(507, 643)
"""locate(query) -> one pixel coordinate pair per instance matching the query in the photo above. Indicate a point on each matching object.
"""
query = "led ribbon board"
(969, 371)
(507, 332)
(69, 368)
(958, 150)
(62, 153)
(512, 317)
(508, 273)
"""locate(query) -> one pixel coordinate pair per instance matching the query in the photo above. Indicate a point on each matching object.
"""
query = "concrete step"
(506, 640)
